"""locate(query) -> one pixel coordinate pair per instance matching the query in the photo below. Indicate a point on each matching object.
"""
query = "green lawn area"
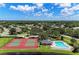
(4, 41)
(67, 39)
(42, 48)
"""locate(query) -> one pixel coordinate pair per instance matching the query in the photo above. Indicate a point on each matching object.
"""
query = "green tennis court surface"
(15, 43)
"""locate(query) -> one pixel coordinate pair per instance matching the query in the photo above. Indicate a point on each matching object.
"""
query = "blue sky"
(39, 11)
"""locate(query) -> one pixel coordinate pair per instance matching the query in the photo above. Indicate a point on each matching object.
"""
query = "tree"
(69, 32)
(46, 27)
(74, 43)
(56, 33)
(61, 30)
(1, 29)
(35, 31)
(25, 29)
(62, 38)
(76, 33)
(73, 40)
(12, 31)
(43, 36)
(50, 32)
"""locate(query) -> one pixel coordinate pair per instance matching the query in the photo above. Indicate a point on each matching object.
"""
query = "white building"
(75, 28)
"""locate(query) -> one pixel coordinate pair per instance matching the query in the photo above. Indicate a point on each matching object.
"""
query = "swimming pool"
(61, 45)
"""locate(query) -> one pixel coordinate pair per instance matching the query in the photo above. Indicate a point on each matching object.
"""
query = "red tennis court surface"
(22, 43)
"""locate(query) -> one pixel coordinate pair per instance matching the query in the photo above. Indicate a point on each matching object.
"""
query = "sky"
(40, 11)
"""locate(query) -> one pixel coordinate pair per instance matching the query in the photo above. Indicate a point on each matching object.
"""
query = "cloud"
(75, 17)
(41, 7)
(13, 7)
(38, 14)
(63, 4)
(39, 4)
(66, 8)
(2, 5)
(44, 14)
(44, 10)
(67, 12)
(48, 14)
(75, 7)
(26, 7)
(23, 8)
(70, 11)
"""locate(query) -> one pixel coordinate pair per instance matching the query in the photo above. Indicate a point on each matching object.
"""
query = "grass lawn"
(40, 49)
(68, 40)
(4, 41)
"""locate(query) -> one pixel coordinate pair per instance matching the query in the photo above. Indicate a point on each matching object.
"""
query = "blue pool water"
(61, 44)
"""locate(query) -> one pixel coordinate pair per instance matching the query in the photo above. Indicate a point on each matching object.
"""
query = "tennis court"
(22, 43)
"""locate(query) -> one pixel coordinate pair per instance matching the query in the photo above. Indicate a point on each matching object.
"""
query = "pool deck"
(70, 48)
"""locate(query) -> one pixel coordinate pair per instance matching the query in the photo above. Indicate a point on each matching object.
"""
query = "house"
(75, 28)
(18, 29)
